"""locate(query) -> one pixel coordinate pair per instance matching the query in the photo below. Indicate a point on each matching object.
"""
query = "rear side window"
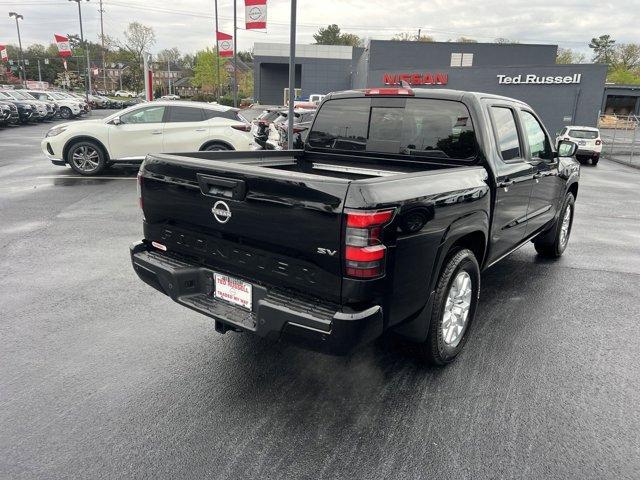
(185, 114)
(230, 114)
(507, 133)
(585, 134)
(423, 127)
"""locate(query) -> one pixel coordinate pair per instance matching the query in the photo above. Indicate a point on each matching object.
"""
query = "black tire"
(553, 243)
(212, 147)
(86, 158)
(595, 160)
(438, 349)
(65, 113)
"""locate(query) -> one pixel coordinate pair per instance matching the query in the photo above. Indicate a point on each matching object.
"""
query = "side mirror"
(567, 148)
(116, 121)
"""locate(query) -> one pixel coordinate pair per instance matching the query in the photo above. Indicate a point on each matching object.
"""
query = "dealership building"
(561, 94)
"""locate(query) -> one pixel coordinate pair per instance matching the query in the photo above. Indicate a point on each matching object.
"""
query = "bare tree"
(138, 39)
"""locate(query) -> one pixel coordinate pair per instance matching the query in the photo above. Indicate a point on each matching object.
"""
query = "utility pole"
(169, 68)
(418, 38)
(104, 66)
(217, 51)
(235, 55)
(39, 72)
(86, 48)
(292, 74)
(21, 70)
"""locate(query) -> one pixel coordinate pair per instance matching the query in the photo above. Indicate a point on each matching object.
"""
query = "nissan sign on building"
(561, 94)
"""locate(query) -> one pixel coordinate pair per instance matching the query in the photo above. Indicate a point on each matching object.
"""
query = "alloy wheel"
(456, 309)
(86, 158)
(565, 227)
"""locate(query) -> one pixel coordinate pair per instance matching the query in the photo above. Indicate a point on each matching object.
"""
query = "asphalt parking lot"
(103, 377)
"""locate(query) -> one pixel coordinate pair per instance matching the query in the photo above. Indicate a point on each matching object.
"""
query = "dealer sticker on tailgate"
(233, 290)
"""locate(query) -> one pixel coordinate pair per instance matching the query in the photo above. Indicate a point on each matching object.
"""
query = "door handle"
(156, 132)
(505, 183)
(201, 129)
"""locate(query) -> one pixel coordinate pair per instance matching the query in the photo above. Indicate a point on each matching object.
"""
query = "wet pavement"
(103, 377)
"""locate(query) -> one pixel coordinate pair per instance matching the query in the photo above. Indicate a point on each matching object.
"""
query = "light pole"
(21, 70)
(86, 49)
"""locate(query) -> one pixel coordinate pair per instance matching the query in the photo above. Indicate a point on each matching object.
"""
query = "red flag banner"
(225, 44)
(64, 48)
(255, 14)
(3, 53)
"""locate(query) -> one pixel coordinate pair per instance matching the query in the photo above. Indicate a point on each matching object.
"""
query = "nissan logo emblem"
(221, 211)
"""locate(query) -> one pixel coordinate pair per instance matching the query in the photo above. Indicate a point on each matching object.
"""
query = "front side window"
(423, 127)
(506, 132)
(144, 115)
(185, 114)
(539, 145)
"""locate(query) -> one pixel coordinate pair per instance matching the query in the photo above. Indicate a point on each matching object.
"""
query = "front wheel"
(86, 158)
(65, 113)
(553, 243)
(216, 147)
(454, 307)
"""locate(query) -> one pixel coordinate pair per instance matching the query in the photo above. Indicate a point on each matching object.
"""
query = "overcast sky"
(189, 24)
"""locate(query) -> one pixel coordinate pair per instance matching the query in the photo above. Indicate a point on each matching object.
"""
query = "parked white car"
(170, 97)
(124, 93)
(68, 108)
(588, 141)
(89, 146)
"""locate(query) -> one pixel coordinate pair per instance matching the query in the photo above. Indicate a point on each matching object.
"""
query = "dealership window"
(506, 132)
(462, 59)
(539, 145)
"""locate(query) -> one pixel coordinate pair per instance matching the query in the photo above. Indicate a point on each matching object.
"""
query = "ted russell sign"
(415, 78)
(540, 80)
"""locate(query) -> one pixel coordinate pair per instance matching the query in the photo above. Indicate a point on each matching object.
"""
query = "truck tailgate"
(266, 226)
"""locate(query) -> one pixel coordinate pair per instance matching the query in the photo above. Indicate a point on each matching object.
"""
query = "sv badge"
(326, 251)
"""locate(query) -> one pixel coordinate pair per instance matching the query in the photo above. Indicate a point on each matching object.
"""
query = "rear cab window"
(506, 132)
(415, 127)
(583, 134)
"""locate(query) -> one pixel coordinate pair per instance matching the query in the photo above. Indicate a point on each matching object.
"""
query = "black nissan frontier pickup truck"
(383, 221)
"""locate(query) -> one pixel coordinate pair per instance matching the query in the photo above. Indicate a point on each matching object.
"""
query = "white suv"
(68, 108)
(89, 146)
(588, 141)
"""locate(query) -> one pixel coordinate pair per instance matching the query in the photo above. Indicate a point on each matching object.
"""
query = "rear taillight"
(242, 128)
(364, 252)
(598, 142)
(139, 189)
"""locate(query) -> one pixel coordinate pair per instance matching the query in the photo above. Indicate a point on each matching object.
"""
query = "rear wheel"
(454, 308)
(212, 147)
(86, 158)
(553, 243)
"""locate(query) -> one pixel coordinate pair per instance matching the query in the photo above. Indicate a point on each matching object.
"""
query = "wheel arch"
(573, 189)
(83, 138)
(470, 231)
(208, 143)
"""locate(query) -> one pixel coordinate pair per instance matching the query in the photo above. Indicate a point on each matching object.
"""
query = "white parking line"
(88, 178)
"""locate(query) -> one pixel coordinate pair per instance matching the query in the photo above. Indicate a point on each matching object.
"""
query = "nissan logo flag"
(3, 53)
(64, 48)
(225, 44)
(255, 12)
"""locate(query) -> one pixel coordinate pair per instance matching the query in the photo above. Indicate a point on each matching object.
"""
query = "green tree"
(204, 71)
(603, 49)
(466, 40)
(623, 76)
(331, 35)
(627, 56)
(505, 41)
(567, 56)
